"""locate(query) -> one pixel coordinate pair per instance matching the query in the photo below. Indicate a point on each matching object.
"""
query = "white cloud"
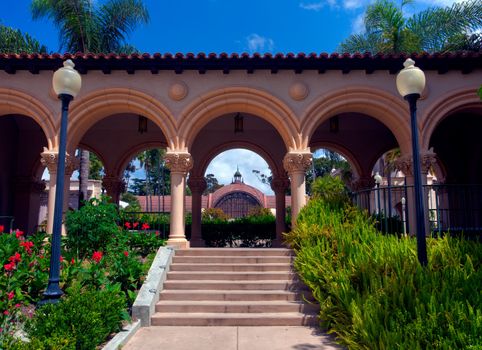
(316, 6)
(353, 4)
(440, 2)
(258, 43)
(358, 26)
(224, 166)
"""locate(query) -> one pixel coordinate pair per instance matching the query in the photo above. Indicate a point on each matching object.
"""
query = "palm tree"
(14, 41)
(91, 26)
(436, 29)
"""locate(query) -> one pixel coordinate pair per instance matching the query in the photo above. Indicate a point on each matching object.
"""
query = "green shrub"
(91, 227)
(84, 318)
(330, 189)
(374, 294)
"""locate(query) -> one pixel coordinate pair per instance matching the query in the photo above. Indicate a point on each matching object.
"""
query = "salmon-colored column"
(49, 160)
(197, 186)
(296, 164)
(179, 163)
(279, 186)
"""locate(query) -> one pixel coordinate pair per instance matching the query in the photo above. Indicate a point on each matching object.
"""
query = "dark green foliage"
(14, 41)
(212, 184)
(83, 319)
(92, 227)
(436, 29)
(130, 198)
(374, 294)
(238, 234)
(96, 168)
(331, 190)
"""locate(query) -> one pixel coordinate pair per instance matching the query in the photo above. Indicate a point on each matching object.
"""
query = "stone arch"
(17, 102)
(104, 103)
(347, 154)
(238, 99)
(122, 164)
(250, 190)
(200, 168)
(444, 106)
(388, 109)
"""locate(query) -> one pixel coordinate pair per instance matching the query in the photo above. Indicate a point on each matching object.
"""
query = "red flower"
(6, 312)
(41, 256)
(72, 261)
(145, 226)
(2, 228)
(28, 246)
(127, 225)
(135, 224)
(18, 234)
(15, 258)
(9, 267)
(18, 305)
(61, 258)
(126, 253)
(157, 233)
(11, 295)
(97, 256)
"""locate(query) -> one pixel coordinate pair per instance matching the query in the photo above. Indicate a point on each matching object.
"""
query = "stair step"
(187, 306)
(232, 295)
(232, 260)
(229, 285)
(234, 252)
(233, 319)
(230, 276)
(230, 267)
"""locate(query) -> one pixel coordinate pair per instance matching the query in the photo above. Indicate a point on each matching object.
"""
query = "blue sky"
(230, 26)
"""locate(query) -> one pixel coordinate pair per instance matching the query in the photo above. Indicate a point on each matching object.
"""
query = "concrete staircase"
(233, 287)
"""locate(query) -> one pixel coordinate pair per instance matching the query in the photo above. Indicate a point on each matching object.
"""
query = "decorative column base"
(178, 243)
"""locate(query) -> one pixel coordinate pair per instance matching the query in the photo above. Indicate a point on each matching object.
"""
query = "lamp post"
(410, 84)
(66, 83)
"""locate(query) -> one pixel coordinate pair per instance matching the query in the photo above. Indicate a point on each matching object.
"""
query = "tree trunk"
(83, 176)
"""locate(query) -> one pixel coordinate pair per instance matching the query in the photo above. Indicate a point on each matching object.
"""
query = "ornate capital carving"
(113, 185)
(197, 184)
(297, 161)
(280, 184)
(405, 165)
(178, 162)
(427, 160)
(49, 160)
(71, 163)
(363, 183)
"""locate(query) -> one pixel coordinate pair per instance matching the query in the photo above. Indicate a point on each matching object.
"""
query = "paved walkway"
(230, 338)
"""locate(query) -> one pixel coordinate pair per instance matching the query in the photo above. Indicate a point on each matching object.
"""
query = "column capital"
(280, 184)
(178, 162)
(71, 163)
(297, 161)
(197, 184)
(363, 183)
(113, 185)
(427, 160)
(49, 160)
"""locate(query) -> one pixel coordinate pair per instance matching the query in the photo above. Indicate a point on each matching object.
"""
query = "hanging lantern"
(142, 127)
(238, 123)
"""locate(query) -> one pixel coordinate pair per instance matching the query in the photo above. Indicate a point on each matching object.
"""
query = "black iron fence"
(456, 209)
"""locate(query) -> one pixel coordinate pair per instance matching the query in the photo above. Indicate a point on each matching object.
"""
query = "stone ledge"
(148, 296)
(123, 336)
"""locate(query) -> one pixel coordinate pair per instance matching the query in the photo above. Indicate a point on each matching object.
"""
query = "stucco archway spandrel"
(444, 106)
(16, 102)
(103, 103)
(243, 100)
(391, 111)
